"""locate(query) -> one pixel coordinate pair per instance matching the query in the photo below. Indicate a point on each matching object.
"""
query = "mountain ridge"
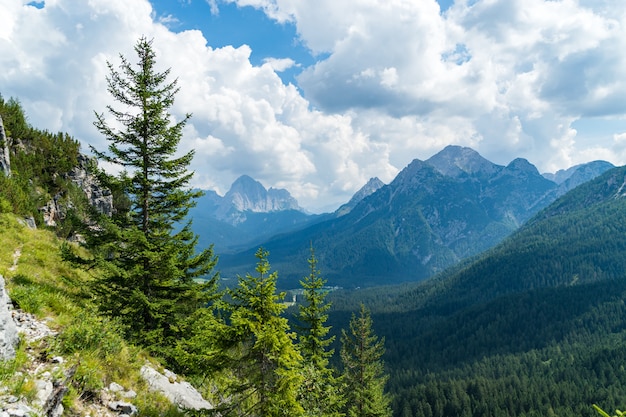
(428, 218)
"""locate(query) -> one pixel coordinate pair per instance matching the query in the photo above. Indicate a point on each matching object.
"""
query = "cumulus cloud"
(507, 77)
(394, 80)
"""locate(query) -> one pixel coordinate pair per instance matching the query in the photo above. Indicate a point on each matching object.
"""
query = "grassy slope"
(39, 282)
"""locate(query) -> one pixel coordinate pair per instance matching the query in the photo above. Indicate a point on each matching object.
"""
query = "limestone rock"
(183, 394)
(98, 196)
(123, 407)
(8, 330)
(5, 162)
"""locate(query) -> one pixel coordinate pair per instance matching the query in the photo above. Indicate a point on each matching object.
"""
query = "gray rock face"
(8, 330)
(182, 394)
(5, 162)
(456, 161)
(99, 197)
(248, 195)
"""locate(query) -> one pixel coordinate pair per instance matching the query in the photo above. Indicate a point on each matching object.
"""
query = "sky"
(319, 96)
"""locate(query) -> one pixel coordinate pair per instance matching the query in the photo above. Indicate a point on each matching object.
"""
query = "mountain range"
(246, 215)
(435, 213)
(539, 317)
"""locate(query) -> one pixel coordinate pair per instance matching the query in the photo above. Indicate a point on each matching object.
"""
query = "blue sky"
(235, 25)
(318, 97)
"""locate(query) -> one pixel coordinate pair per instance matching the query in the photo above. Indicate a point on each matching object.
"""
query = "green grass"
(92, 345)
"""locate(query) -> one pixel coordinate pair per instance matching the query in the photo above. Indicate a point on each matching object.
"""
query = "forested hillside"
(535, 326)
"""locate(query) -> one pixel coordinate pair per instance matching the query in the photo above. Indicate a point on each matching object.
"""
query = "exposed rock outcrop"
(5, 161)
(183, 394)
(8, 330)
(373, 185)
(248, 195)
(97, 195)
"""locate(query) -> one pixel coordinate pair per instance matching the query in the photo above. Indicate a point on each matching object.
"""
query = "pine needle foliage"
(319, 393)
(149, 261)
(361, 354)
(264, 360)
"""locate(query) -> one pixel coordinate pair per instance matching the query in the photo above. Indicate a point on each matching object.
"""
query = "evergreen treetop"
(364, 376)
(149, 260)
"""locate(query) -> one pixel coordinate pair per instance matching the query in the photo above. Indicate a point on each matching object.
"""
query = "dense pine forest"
(535, 326)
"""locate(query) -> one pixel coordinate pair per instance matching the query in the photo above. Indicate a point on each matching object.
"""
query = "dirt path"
(16, 257)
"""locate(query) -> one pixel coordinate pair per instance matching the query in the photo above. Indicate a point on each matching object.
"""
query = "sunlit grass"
(42, 284)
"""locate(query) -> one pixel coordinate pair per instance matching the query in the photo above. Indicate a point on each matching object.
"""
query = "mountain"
(373, 185)
(541, 315)
(433, 214)
(580, 173)
(247, 195)
(246, 215)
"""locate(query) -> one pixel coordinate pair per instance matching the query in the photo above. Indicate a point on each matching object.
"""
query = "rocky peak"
(248, 194)
(521, 166)
(580, 173)
(373, 185)
(456, 161)
(417, 172)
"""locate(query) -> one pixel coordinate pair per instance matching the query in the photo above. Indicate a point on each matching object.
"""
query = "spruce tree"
(264, 360)
(319, 393)
(361, 355)
(146, 251)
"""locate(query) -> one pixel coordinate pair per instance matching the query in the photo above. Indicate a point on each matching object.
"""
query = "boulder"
(8, 329)
(183, 394)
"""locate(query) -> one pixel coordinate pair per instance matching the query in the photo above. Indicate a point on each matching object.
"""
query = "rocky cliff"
(5, 162)
(373, 185)
(8, 330)
(97, 195)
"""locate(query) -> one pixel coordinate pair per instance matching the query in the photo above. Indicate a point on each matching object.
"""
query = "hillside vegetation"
(128, 285)
(535, 326)
(92, 346)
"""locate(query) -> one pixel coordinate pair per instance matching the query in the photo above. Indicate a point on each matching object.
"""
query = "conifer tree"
(319, 393)
(264, 360)
(147, 253)
(361, 355)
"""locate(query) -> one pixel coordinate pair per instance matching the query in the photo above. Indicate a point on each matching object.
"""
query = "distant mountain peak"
(248, 194)
(373, 185)
(522, 165)
(456, 161)
(584, 172)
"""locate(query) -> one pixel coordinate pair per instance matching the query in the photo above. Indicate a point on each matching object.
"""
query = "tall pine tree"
(264, 361)
(147, 254)
(319, 394)
(361, 355)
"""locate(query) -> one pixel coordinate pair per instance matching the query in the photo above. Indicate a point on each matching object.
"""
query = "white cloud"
(507, 77)
(280, 64)
(395, 80)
